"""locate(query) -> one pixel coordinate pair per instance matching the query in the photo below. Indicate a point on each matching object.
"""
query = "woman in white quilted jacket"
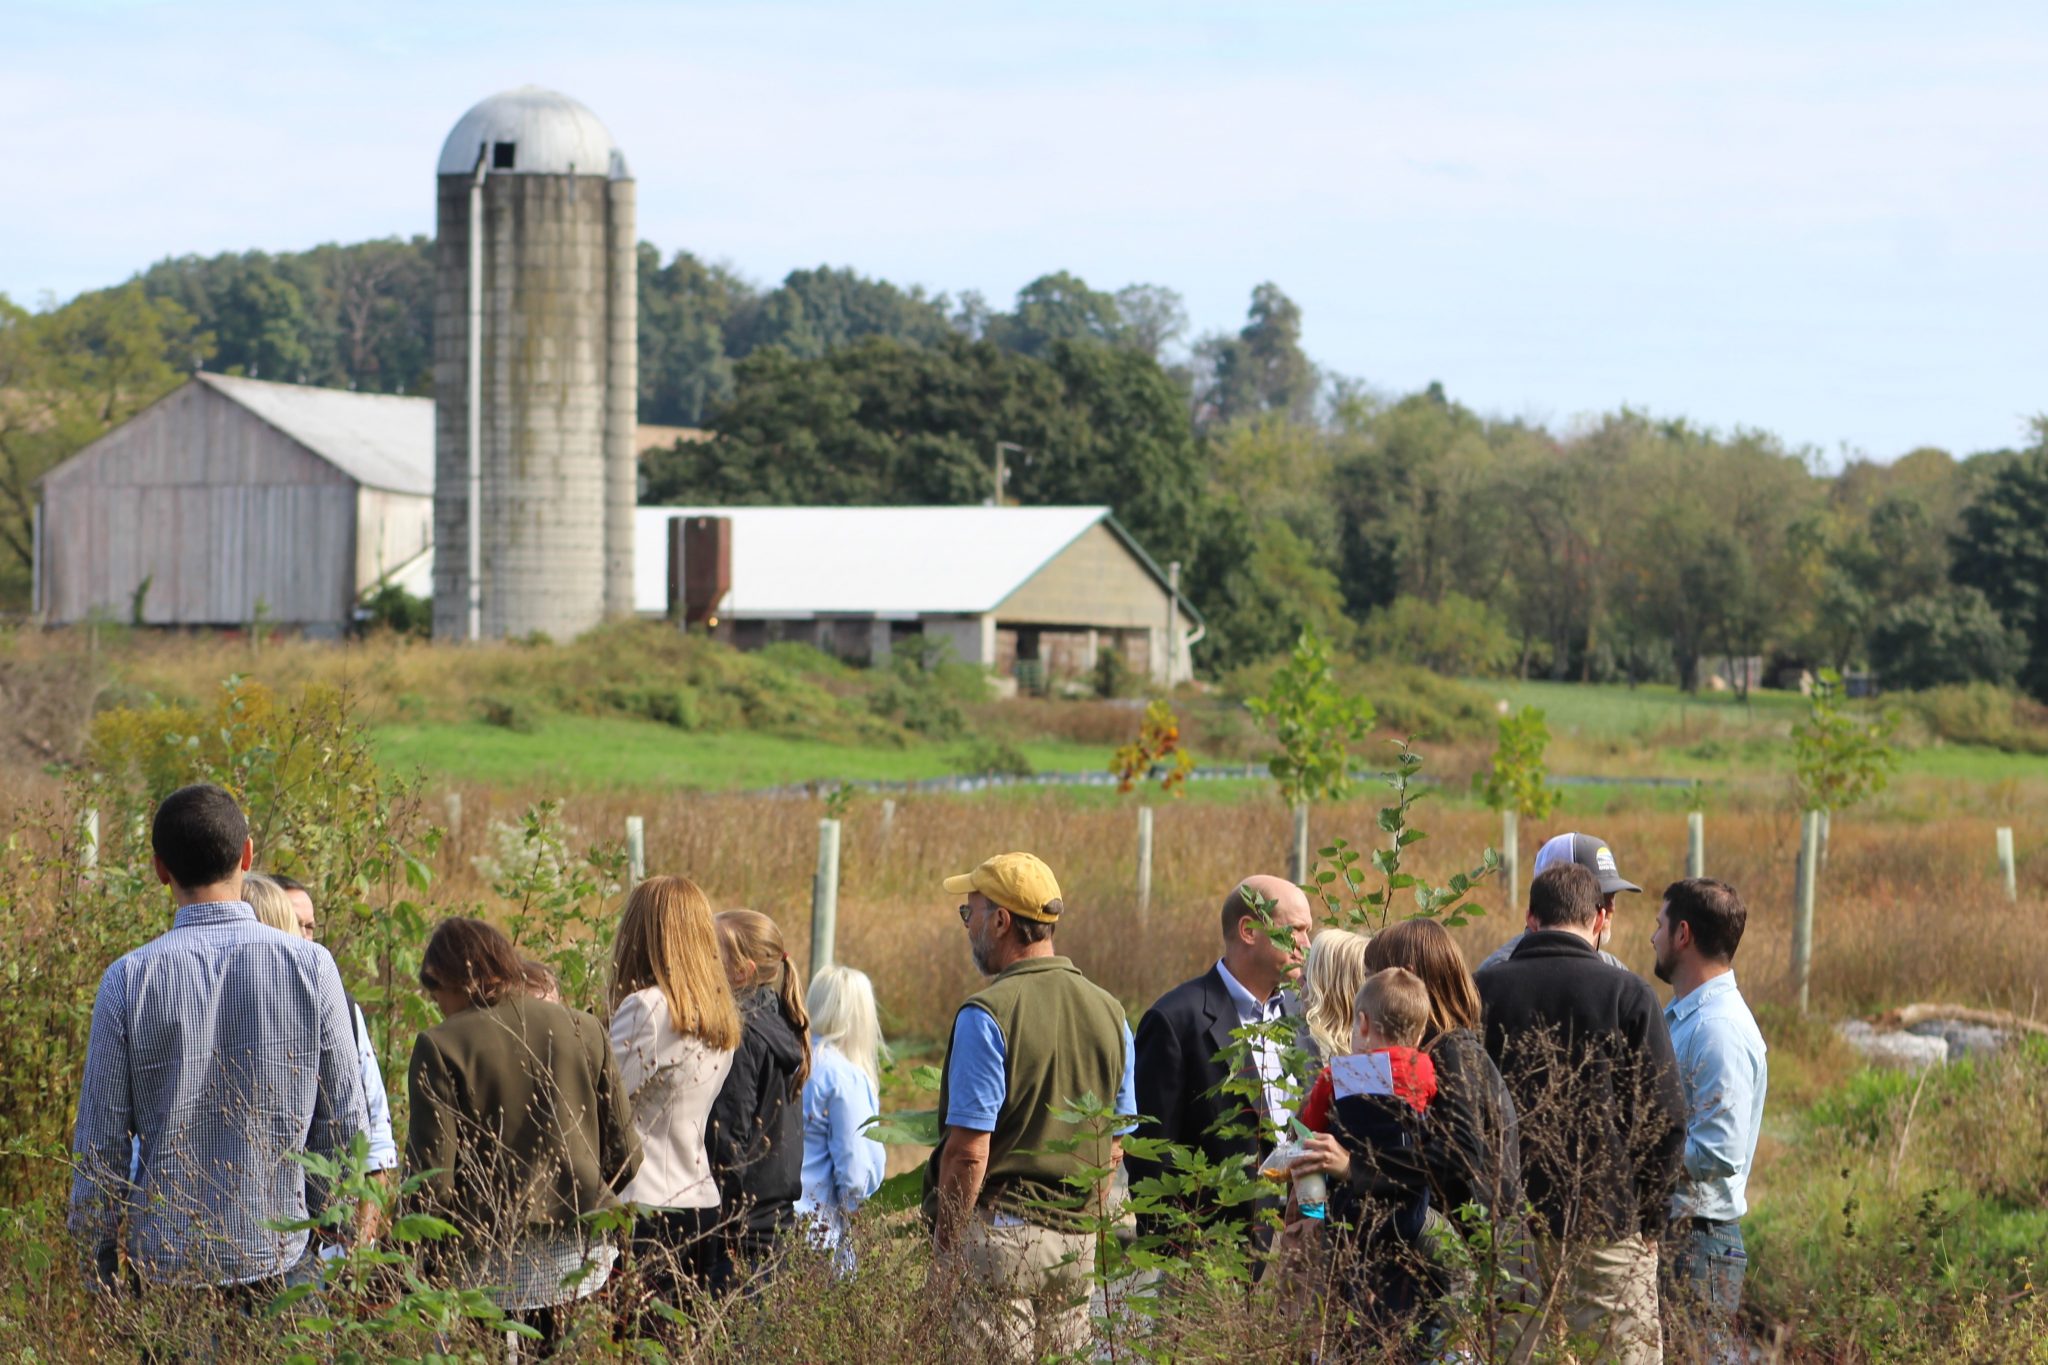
(673, 1030)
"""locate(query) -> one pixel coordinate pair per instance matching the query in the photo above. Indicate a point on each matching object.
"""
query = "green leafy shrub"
(394, 609)
(1979, 713)
(517, 714)
(1455, 636)
(986, 757)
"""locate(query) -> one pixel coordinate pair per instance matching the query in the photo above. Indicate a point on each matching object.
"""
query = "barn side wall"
(216, 508)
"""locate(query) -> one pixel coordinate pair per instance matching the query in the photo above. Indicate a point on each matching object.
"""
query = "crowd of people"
(1400, 1103)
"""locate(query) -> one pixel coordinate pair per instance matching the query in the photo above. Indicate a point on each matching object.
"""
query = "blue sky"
(1827, 220)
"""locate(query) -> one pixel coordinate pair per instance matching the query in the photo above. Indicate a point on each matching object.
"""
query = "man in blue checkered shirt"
(218, 1051)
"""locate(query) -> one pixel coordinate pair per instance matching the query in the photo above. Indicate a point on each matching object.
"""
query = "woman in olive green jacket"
(518, 1111)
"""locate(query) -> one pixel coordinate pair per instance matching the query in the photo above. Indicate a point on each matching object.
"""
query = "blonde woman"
(756, 1133)
(673, 1031)
(1336, 969)
(272, 903)
(842, 1164)
(272, 906)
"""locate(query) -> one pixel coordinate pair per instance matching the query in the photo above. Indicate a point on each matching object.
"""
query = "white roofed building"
(1030, 592)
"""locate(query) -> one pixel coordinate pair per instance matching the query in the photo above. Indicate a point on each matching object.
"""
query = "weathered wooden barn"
(1033, 593)
(232, 499)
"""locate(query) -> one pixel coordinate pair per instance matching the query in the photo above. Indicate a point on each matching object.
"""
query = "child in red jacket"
(1371, 1106)
(1410, 1074)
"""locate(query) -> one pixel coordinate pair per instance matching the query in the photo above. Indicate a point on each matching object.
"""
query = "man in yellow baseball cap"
(998, 1190)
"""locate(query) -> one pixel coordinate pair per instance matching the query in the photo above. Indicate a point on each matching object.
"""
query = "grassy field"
(582, 753)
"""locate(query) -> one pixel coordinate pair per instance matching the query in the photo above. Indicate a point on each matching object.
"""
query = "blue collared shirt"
(222, 1047)
(1721, 1064)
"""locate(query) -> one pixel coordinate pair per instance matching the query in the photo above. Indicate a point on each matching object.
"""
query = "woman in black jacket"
(755, 1136)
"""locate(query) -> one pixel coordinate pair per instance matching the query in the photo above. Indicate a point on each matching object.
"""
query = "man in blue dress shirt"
(218, 1050)
(1722, 1068)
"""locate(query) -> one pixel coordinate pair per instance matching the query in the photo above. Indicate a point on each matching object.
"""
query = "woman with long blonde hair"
(1334, 972)
(756, 1133)
(674, 1029)
(272, 906)
(842, 1164)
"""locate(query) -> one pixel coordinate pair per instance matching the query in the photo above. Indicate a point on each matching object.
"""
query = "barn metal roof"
(551, 135)
(380, 440)
(885, 561)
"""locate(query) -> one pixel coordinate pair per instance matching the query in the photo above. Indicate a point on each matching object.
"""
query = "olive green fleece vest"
(1063, 1038)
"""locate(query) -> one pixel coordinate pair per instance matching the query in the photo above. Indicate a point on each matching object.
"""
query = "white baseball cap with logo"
(1588, 852)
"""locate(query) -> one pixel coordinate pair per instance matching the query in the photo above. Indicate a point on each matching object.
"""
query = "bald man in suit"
(1182, 1039)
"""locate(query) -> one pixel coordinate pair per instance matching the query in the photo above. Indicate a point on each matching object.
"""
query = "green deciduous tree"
(1517, 778)
(1261, 369)
(2002, 551)
(1944, 637)
(1313, 721)
(1840, 757)
(1053, 308)
(684, 308)
(884, 421)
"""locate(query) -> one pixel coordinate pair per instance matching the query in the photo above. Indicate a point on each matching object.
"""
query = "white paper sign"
(1369, 1074)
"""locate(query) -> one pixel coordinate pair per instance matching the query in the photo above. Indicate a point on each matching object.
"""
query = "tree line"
(1626, 546)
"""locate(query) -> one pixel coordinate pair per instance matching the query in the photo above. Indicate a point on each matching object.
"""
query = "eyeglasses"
(966, 913)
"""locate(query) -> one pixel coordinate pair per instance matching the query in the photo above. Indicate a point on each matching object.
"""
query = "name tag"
(1371, 1074)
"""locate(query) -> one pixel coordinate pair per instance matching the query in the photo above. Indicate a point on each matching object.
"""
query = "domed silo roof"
(531, 131)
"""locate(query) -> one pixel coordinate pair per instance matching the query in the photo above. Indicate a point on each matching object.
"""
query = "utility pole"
(1002, 470)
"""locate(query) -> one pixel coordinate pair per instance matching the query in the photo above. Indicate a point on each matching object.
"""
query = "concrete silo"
(535, 372)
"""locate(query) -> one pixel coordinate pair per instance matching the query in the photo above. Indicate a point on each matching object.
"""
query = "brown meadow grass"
(1907, 910)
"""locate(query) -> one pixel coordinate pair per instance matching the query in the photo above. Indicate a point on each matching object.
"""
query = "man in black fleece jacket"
(1583, 1048)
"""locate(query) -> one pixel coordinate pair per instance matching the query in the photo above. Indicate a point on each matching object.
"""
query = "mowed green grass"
(594, 753)
(1715, 737)
(1597, 731)
(1613, 711)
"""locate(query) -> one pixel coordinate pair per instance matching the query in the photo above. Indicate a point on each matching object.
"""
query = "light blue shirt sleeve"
(1721, 1082)
(1127, 1088)
(858, 1160)
(976, 1078)
(104, 1141)
(383, 1148)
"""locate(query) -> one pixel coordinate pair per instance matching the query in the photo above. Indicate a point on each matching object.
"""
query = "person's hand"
(1321, 1153)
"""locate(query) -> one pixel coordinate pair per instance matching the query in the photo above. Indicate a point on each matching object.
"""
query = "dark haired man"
(1722, 1067)
(222, 1048)
(1184, 1039)
(999, 1189)
(1585, 1054)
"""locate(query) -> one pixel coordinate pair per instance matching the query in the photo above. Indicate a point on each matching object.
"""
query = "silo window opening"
(502, 154)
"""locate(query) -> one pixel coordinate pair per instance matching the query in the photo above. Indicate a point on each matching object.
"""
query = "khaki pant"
(1608, 1299)
(1026, 1293)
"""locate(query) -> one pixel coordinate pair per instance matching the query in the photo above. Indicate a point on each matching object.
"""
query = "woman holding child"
(1413, 1125)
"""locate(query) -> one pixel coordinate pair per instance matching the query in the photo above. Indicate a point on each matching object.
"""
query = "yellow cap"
(1019, 882)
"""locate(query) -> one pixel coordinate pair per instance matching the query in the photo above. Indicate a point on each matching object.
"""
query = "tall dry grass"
(1907, 911)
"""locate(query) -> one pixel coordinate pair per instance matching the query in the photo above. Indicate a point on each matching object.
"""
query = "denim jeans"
(1707, 1265)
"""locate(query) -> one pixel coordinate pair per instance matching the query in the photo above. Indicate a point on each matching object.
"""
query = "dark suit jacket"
(1178, 1042)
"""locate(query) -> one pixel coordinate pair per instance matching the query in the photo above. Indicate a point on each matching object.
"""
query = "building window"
(503, 154)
